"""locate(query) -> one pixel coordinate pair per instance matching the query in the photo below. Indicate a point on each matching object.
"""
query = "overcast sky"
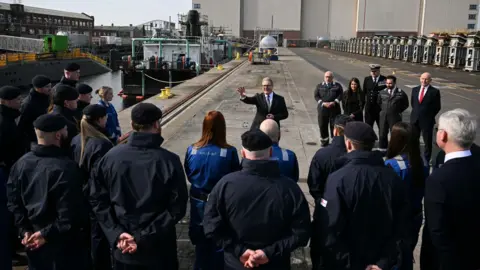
(118, 12)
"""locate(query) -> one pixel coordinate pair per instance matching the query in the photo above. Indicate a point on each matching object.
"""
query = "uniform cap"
(375, 66)
(50, 122)
(146, 114)
(72, 67)
(360, 132)
(40, 81)
(256, 140)
(95, 111)
(84, 88)
(341, 120)
(64, 92)
(9, 92)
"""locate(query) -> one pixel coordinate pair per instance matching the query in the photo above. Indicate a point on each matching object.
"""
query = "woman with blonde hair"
(113, 126)
(206, 162)
(88, 148)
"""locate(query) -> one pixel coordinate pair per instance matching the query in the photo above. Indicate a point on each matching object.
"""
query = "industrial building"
(28, 21)
(335, 19)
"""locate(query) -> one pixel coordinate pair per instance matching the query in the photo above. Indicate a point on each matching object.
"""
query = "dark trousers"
(100, 248)
(372, 115)
(5, 228)
(69, 255)
(409, 246)
(386, 124)
(428, 254)
(427, 136)
(208, 257)
(326, 120)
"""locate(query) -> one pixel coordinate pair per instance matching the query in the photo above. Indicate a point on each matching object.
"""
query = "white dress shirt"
(457, 154)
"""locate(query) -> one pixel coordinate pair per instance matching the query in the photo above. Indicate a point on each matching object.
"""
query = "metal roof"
(51, 12)
(116, 28)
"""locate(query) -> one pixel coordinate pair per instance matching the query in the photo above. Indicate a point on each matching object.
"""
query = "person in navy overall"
(206, 162)
(113, 125)
(88, 148)
(286, 158)
(403, 156)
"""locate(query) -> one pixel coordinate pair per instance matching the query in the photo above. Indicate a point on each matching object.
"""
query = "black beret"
(95, 111)
(40, 81)
(9, 92)
(72, 67)
(342, 120)
(50, 122)
(255, 140)
(146, 114)
(84, 88)
(360, 132)
(64, 92)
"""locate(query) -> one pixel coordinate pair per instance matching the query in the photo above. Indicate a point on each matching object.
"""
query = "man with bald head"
(426, 103)
(328, 95)
(286, 158)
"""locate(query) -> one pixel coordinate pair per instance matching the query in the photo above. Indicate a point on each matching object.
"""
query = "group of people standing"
(18, 113)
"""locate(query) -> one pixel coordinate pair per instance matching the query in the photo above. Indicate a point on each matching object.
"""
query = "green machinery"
(54, 43)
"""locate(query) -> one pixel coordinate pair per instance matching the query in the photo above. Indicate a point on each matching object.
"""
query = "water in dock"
(112, 79)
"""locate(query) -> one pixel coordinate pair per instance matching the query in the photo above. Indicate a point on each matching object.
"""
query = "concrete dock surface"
(295, 77)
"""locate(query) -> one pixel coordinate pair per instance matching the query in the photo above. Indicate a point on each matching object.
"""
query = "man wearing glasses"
(269, 104)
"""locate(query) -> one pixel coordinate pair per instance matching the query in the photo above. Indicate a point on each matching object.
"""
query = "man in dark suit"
(452, 203)
(269, 105)
(426, 104)
(372, 85)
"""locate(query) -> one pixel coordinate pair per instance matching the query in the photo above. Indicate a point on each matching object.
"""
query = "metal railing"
(16, 58)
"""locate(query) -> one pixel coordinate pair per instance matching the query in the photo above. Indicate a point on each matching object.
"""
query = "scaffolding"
(21, 44)
(203, 21)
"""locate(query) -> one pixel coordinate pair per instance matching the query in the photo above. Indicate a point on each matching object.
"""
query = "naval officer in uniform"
(372, 85)
(328, 95)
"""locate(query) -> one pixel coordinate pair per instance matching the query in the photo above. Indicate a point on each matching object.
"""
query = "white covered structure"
(268, 43)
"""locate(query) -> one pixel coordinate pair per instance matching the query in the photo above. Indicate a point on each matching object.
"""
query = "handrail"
(5, 59)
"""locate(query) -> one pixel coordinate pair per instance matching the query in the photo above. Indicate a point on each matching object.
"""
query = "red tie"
(422, 94)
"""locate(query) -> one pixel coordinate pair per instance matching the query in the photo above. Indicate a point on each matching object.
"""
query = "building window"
(472, 16)
(24, 29)
(473, 7)
(471, 26)
(196, 6)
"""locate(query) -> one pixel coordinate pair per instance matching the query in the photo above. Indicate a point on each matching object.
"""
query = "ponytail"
(88, 130)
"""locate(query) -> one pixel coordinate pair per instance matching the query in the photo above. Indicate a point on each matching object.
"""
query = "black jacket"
(94, 150)
(45, 194)
(392, 106)
(353, 103)
(12, 142)
(426, 111)
(278, 108)
(33, 106)
(371, 90)
(324, 93)
(257, 208)
(363, 213)
(452, 208)
(140, 188)
(66, 81)
(72, 125)
(323, 164)
(80, 106)
(440, 159)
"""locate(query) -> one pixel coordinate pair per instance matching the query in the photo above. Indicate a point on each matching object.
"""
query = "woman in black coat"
(354, 100)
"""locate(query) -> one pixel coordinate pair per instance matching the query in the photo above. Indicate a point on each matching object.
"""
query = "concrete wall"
(343, 18)
(447, 15)
(258, 13)
(388, 15)
(222, 13)
(315, 18)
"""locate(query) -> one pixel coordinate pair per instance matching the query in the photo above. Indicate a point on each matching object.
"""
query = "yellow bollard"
(219, 67)
(238, 56)
(163, 95)
(168, 93)
(393, 72)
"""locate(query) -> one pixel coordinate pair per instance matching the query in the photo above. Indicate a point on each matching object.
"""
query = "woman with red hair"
(206, 162)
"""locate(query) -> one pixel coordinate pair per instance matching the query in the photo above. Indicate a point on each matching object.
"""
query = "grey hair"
(460, 125)
(258, 155)
(268, 79)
